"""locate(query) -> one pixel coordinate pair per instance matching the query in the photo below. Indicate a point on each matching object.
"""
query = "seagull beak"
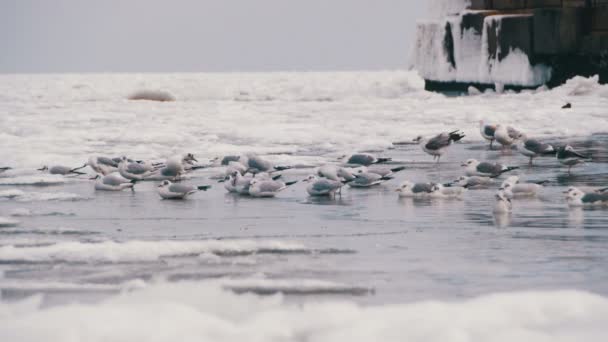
(565, 192)
(463, 164)
(398, 190)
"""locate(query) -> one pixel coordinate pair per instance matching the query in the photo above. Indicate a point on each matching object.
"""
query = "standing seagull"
(533, 148)
(566, 155)
(487, 131)
(168, 190)
(366, 159)
(113, 182)
(322, 186)
(577, 198)
(485, 169)
(507, 135)
(437, 146)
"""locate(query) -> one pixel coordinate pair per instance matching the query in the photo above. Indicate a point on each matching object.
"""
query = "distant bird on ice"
(168, 190)
(566, 155)
(437, 146)
(533, 148)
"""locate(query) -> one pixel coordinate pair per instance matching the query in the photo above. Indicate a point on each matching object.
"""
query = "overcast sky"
(205, 35)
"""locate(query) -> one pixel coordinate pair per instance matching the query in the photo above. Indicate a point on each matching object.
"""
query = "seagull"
(267, 188)
(5, 168)
(513, 188)
(409, 189)
(473, 182)
(62, 170)
(240, 184)
(235, 166)
(507, 135)
(134, 170)
(168, 190)
(485, 169)
(503, 204)
(440, 191)
(336, 173)
(577, 198)
(257, 164)
(566, 155)
(322, 186)
(103, 165)
(533, 148)
(113, 182)
(367, 179)
(366, 159)
(437, 146)
(487, 131)
(385, 172)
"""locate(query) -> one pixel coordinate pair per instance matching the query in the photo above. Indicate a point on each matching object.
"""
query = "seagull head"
(418, 139)
(164, 184)
(471, 163)
(310, 178)
(405, 187)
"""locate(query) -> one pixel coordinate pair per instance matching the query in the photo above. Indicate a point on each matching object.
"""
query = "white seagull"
(266, 188)
(507, 135)
(502, 205)
(514, 189)
(168, 190)
(113, 182)
(322, 186)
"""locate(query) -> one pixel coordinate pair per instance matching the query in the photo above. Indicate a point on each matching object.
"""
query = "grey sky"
(205, 35)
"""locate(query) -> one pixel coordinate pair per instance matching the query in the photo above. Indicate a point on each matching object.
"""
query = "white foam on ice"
(40, 180)
(23, 196)
(204, 312)
(136, 250)
(368, 111)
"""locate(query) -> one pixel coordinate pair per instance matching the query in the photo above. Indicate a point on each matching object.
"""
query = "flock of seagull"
(254, 176)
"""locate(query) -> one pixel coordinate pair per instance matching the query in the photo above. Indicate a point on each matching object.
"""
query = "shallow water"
(367, 246)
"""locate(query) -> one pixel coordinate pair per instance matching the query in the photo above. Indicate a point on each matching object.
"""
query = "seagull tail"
(4, 168)
(282, 168)
(290, 183)
(386, 178)
(543, 182)
(383, 160)
(277, 177)
(204, 187)
(509, 168)
(134, 181)
(78, 168)
(397, 169)
(456, 135)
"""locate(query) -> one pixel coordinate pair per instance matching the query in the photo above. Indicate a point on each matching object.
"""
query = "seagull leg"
(491, 142)
(531, 161)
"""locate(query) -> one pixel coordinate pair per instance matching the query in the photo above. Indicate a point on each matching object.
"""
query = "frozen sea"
(82, 265)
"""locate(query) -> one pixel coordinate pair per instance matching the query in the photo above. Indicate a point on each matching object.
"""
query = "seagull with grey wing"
(168, 190)
(533, 148)
(336, 173)
(487, 131)
(267, 187)
(365, 179)
(410, 189)
(62, 170)
(578, 198)
(485, 169)
(566, 155)
(256, 164)
(113, 182)
(103, 165)
(472, 182)
(366, 159)
(133, 170)
(437, 146)
(322, 186)
(507, 135)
